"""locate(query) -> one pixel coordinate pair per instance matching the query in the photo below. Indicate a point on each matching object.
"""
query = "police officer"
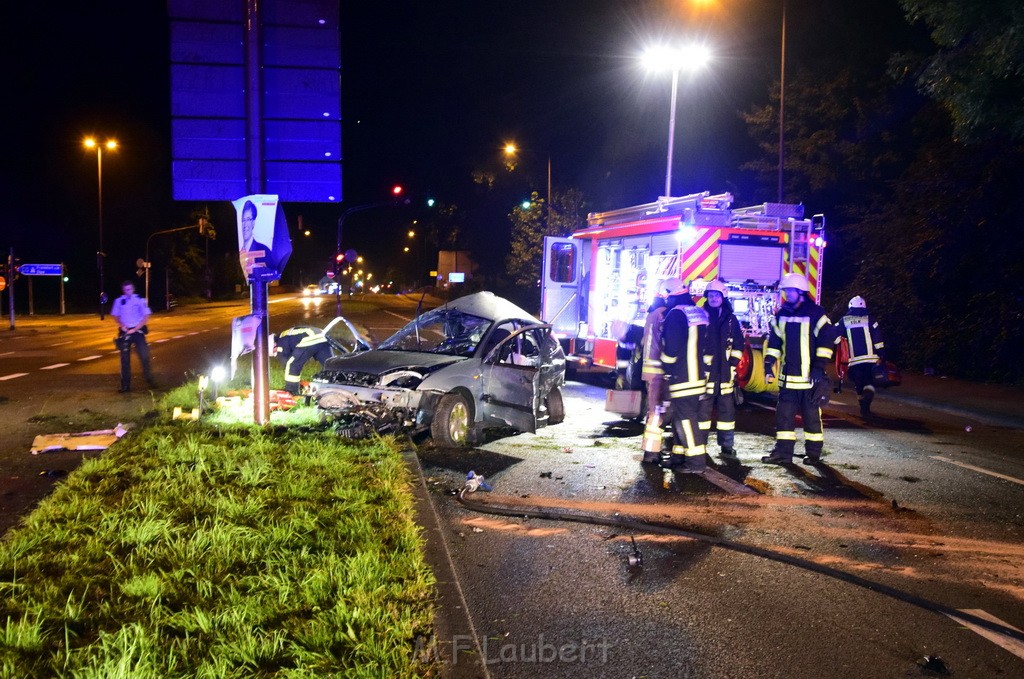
(864, 340)
(725, 344)
(132, 314)
(685, 361)
(653, 374)
(799, 346)
(295, 347)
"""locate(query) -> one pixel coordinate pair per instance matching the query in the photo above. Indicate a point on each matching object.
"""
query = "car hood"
(378, 362)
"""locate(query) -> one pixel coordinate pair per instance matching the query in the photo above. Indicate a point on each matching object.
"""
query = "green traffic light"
(430, 202)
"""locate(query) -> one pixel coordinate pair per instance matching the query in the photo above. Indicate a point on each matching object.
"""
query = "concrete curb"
(452, 618)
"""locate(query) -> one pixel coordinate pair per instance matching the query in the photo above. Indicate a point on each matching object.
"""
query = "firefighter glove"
(769, 372)
(818, 374)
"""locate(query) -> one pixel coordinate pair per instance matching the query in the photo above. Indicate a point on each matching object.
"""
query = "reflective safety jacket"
(684, 354)
(652, 344)
(292, 340)
(862, 336)
(725, 344)
(801, 338)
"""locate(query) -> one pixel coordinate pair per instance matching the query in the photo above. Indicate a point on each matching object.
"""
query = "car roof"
(490, 306)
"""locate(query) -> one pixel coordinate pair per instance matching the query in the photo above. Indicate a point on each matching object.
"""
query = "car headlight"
(404, 379)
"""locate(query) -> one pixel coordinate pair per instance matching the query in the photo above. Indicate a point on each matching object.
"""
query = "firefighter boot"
(865, 401)
(653, 437)
(780, 454)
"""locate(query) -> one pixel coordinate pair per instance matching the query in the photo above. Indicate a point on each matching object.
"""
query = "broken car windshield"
(441, 331)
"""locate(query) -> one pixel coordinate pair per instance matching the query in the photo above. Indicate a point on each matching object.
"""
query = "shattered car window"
(441, 331)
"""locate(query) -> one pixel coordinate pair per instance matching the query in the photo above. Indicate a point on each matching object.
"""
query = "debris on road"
(100, 439)
(933, 663)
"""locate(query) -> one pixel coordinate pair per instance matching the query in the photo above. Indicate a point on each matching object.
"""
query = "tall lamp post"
(111, 145)
(691, 58)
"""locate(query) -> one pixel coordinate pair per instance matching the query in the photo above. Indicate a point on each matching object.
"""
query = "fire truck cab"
(600, 280)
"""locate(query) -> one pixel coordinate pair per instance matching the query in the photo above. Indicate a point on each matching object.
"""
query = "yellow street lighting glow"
(111, 144)
(406, 249)
(412, 233)
(510, 148)
(89, 143)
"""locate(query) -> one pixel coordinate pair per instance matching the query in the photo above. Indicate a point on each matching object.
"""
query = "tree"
(529, 226)
(977, 74)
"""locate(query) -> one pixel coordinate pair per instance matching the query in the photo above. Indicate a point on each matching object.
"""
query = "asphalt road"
(532, 592)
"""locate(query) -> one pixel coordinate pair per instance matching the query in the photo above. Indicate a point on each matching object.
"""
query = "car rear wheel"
(452, 422)
(556, 408)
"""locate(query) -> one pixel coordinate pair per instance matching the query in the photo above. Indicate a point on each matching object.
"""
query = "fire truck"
(601, 279)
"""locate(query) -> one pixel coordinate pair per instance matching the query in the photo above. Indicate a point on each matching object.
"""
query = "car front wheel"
(452, 422)
(556, 408)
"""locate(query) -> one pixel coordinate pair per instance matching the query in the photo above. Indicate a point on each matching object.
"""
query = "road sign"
(41, 270)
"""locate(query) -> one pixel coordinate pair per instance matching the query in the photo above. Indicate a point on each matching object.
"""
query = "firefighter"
(653, 374)
(684, 359)
(800, 344)
(295, 347)
(864, 340)
(725, 344)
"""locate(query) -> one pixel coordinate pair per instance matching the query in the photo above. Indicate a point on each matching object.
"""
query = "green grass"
(195, 550)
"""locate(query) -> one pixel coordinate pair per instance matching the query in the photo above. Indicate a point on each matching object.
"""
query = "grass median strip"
(193, 551)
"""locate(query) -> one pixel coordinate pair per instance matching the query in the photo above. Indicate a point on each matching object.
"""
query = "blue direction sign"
(41, 270)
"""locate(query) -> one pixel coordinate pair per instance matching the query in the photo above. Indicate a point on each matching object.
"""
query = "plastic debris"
(636, 559)
(474, 482)
(933, 663)
(545, 475)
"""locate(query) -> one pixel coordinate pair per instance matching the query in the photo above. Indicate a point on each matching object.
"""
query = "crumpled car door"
(510, 383)
(344, 338)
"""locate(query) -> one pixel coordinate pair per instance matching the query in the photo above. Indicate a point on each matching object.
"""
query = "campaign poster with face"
(263, 241)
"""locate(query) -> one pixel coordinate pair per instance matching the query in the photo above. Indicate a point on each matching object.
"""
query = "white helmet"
(716, 286)
(794, 280)
(673, 286)
(858, 303)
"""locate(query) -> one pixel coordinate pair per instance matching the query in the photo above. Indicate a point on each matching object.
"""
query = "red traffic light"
(340, 257)
(396, 190)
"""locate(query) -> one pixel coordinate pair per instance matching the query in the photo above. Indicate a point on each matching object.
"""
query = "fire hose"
(475, 482)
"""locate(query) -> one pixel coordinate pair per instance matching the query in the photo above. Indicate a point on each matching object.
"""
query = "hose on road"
(554, 514)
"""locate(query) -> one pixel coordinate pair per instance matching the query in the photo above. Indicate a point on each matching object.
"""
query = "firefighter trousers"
(792, 402)
(725, 404)
(657, 394)
(862, 375)
(301, 356)
(689, 446)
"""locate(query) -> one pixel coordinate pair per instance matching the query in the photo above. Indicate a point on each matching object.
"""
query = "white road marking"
(6, 353)
(398, 316)
(12, 376)
(283, 299)
(193, 333)
(91, 358)
(159, 341)
(979, 469)
(55, 365)
(177, 337)
(59, 344)
(1010, 644)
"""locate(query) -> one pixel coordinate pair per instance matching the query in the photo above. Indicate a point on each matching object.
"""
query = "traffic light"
(430, 202)
(340, 257)
(396, 190)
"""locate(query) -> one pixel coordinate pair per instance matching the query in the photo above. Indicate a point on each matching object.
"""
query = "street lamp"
(111, 145)
(691, 58)
(511, 150)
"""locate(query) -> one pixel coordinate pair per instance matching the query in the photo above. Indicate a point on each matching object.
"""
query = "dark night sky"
(430, 92)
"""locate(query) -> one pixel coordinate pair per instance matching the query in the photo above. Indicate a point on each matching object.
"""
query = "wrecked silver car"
(475, 362)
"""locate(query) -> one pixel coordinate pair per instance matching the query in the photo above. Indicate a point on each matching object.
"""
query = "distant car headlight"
(306, 292)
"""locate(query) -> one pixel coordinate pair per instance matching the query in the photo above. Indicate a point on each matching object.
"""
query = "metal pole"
(671, 132)
(254, 165)
(10, 285)
(547, 221)
(62, 288)
(100, 254)
(31, 305)
(337, 267)
(782, 101)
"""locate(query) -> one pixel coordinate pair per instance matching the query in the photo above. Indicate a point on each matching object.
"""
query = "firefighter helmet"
(858, 303)
(794, 280)
(673, 286)
(716, 286)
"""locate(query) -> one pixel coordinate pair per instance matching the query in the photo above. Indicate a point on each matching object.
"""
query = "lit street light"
(111, 145)
(510, 151)
(690, 58)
